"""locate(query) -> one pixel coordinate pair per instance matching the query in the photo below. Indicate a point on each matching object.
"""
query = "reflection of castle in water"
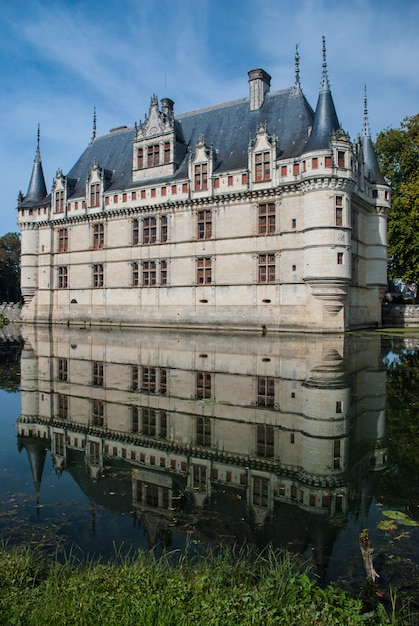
(273, 433)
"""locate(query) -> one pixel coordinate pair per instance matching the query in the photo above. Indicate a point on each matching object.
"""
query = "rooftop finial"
(366, 124)
(94, 123)
(325, 81)
(297, 66)
(38, 137)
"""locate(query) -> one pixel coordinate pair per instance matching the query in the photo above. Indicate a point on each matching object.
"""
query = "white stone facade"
(204, 233)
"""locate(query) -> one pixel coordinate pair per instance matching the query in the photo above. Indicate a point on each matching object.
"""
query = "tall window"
(62, 406)
(149, 230)
(153, 155)
(266, 218)
(203, 385)
(140, 158)
(63, 277)
(203, 431)
(199, 477)
(98, 236)
(266, 391)
(62, 369)
(95, 194)
(135, 232)
(163, 272)
(135, 274)
(63, 240)
(201, 176)
(260, 491)
(266, 268)
(149, 273)
(339, 211)
(204, 224)
(59, 201)
(262, 166)
(163, 228)
(265, 440)
(203, 271)
(98, 412)
(341, 158)
(148, 426)
(97, 373)
(167, 152)
(98, 275)
(149, 379)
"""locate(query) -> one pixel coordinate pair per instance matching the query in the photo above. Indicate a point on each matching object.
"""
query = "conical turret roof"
(325, 118)
(37, 189)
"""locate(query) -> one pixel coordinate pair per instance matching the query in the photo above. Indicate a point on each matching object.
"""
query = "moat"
(126, 440)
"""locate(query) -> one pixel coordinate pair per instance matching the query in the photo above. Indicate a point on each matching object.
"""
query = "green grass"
(213, 590)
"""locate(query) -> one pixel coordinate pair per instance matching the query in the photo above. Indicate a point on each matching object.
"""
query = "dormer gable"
(201, 166)
(59, 192)
(95, 186)
(154, 142)
(262, 156)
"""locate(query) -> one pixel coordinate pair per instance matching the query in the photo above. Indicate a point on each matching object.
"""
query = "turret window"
(339, 211)
(341, 158)
(262, 166)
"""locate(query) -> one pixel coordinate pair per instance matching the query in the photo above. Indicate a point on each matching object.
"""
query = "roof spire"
(37, 189)
(324, 85)
(366, 123)
(297, 66)
(325, 118)
(371, 168)
(94, 124)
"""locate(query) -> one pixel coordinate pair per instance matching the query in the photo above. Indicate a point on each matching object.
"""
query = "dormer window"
(262, 166)
(95, 194)
(201, 176)
(59, 201)
(166, 159)
(153, 155)
(140, 158)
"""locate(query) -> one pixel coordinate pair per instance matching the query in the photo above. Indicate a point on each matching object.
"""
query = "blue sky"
(61, 58)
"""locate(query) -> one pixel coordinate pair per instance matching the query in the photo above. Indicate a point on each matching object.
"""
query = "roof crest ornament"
(297, 66)
(94, 123)
(366, 123)
(324, 84)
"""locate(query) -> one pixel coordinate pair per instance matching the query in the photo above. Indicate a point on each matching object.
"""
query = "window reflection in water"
(259, 438)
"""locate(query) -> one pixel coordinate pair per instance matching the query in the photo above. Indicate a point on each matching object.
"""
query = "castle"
(259, 213)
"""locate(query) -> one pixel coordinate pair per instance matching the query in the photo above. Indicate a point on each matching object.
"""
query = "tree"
(398, 154)
(10, 268)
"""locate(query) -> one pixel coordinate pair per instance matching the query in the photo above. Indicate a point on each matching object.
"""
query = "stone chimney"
(167, 107)
(259, 85)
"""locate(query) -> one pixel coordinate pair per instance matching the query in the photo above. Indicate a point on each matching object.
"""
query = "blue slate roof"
(226, 128)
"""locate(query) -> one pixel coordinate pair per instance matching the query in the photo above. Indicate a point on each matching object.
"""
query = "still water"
(127, 439)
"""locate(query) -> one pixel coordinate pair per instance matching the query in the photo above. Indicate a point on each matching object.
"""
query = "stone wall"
(400, 316)
(10, 311)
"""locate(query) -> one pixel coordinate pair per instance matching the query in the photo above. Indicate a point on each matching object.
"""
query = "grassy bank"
(140, 590)
(214, 590)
